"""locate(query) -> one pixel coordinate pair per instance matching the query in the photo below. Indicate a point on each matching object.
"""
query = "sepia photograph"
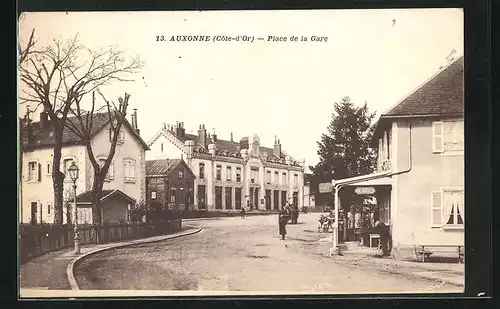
(240, 153)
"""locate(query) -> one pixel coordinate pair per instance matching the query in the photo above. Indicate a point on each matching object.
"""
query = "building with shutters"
(124, 185)
(419, 181)
(229, 174)
(170, 183)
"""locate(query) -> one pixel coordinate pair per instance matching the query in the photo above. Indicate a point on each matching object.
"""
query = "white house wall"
(170, 151)
(42, 191)
(130, 149)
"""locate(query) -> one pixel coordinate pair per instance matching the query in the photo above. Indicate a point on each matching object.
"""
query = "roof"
(443, 94)
(86, 197)
(164, 166)
(440, 96)
(158, 167)
(229, 146)
(43, 135)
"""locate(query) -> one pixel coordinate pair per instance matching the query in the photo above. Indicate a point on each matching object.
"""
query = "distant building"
(419, 182)
(124, 183)
(170, 182)
(229, 174)
(310, 193)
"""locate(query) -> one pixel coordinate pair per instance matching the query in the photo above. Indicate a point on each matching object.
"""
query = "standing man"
(242, 212)
(383, 231)
(283, 217)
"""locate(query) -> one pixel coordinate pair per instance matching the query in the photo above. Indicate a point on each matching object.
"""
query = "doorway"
(34, 207)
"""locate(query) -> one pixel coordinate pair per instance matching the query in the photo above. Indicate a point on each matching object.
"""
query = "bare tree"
(57, 75)
(83, 124)
(28, 49)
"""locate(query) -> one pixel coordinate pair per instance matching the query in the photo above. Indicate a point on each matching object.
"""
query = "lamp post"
(73, 174)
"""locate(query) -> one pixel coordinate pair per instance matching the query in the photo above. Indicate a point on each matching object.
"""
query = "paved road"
(235, 254)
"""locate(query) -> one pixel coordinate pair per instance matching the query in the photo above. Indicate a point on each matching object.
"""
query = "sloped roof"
(229, 146)
(443, 94)
(165, 166)
(86, 197)
(160, 167)
(43, 135)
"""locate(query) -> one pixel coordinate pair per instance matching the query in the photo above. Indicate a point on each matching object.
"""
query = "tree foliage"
(345, 149)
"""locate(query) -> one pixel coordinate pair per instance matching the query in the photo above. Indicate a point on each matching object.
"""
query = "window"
(202, 171)
(268, 176)
(237, 198)
(228, 173)
(453, 136)
(229, 193)
(181, 174)
(173, 195)
(110, 173)
(121, 136)
(448, 208)
(284, 182)
(66, 165)
(218, 172)
(276, 177)
(33, 171)
(49, 210)
(218, 197)
(253, 175)
(161, 147)
(238, 174)
(153, 195)
(447, 136)
(48, 169)
(129, 170)
(296, 180)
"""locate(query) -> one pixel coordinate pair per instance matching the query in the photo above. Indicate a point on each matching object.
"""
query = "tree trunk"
(58, 180)
(96, 202)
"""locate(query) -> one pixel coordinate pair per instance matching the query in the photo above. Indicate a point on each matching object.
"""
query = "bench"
(421, 250)
(424, 241)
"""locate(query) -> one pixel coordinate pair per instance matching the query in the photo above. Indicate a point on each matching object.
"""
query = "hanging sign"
(365, 190)
(325, 187)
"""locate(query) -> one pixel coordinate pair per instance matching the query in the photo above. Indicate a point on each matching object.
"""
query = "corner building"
(229, 174)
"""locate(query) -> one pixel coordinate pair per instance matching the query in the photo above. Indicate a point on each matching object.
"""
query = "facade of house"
(419, 182)
(126, 173)
(229, 174)
(309, 193)
(169, 182)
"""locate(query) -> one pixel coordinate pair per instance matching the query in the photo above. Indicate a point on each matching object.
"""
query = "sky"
(284, 89)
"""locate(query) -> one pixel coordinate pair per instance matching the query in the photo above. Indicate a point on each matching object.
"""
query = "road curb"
(70, 269)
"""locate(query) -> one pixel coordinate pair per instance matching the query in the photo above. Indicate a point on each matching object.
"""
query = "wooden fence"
(36, 240)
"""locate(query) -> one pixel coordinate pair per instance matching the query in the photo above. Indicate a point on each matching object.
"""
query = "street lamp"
(73, 174)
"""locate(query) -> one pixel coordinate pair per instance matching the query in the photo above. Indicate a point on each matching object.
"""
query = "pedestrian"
(283, 217)
(242, 212)
(383, 231)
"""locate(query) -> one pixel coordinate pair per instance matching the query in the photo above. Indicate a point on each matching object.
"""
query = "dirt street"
(235, 254)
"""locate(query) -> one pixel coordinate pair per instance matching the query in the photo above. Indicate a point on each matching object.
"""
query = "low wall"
(36, 240)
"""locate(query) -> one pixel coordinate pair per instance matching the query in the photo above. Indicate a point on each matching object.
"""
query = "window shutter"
(437, 209)
(39, 171)
(437, 136)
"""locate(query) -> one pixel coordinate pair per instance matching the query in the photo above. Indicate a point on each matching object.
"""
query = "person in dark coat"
(383, 231)
(242, 212)
(283, 217)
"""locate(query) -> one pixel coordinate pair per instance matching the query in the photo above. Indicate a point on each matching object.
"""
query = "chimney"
(244, 143)
(202, 136)
(134, 124)
(277, 148)
(179, 130)
(231, 136)
(44, 119)
(164, 126)
(214, 136)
